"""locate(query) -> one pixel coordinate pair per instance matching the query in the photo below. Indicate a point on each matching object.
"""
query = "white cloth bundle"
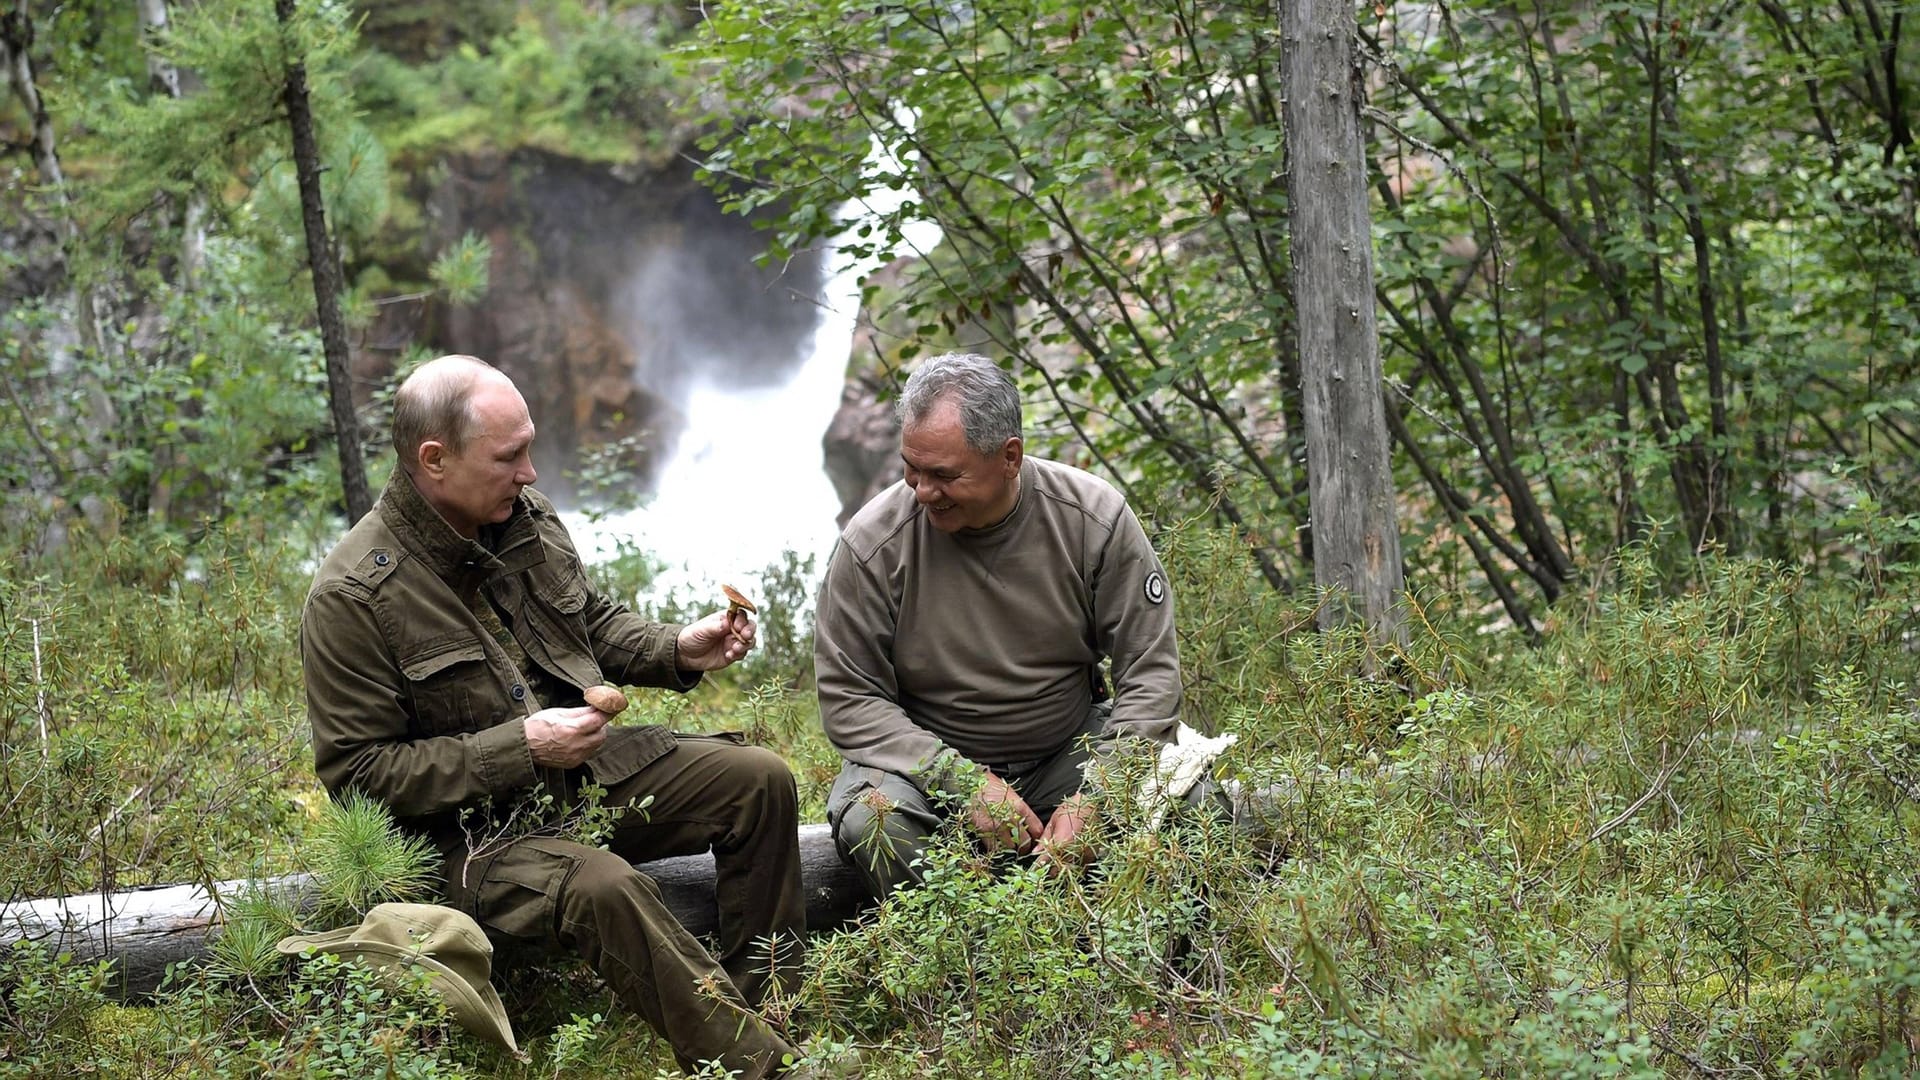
(1182, 763)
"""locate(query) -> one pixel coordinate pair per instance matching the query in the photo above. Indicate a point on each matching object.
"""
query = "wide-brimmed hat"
(446, 943)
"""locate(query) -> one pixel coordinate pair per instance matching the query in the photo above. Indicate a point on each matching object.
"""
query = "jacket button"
(380, 559)
(519, 692)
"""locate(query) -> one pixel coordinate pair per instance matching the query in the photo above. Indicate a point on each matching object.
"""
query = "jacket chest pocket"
(453, 689)
(554, 613)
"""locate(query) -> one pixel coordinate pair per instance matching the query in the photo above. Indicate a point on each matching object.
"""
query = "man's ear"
(1011, 454)
(432, 458)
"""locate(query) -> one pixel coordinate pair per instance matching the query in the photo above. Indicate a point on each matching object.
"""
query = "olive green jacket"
(416, 705)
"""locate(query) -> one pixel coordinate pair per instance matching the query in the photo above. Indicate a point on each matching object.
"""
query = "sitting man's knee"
(601, 878)
(879, 840)
(759, 767)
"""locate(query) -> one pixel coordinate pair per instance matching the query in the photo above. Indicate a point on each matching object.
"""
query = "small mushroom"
(607, 699)
(737, 602)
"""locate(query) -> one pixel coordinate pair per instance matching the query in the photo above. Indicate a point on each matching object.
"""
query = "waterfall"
(745, 484)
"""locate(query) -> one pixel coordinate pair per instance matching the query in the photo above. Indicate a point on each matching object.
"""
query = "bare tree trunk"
(1356, 539)
(16, 61)
(327, 285)
(16, 53)
(164, 78)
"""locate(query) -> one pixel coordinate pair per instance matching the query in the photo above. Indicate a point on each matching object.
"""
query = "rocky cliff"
(608, 297)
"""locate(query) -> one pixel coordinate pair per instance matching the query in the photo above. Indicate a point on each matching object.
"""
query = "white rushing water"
(746, 482)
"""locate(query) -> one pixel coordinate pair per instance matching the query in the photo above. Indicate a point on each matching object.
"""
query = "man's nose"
(925, 491)
(527, 474)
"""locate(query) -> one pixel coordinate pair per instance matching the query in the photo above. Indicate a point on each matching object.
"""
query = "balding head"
(434, 403)
(463, 435)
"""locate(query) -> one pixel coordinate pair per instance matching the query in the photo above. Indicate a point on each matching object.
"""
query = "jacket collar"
(506, 548)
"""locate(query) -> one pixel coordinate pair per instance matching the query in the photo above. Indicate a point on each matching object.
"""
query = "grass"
(1677, 837)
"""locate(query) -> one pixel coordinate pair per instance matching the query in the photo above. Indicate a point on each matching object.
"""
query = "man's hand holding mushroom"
(718, 639)
(564, 738)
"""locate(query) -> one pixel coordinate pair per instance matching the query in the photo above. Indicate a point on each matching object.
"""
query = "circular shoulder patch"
(1156, 588)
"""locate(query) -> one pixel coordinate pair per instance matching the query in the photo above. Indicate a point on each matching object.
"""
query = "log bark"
(144, 930)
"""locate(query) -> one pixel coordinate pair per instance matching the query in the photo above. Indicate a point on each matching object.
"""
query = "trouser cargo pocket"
(515, 891)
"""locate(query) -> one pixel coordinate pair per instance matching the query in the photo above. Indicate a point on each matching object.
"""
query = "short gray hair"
(988, 400)
(432, 403)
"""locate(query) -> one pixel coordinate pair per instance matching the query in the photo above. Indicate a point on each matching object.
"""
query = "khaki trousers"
(708, 793)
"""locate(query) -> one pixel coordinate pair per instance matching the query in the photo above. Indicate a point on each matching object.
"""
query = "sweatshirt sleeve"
(1134, 628)
(357, 701)
(854, 676)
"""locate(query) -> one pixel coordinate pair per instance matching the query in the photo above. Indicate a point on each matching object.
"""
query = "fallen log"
(144, 930)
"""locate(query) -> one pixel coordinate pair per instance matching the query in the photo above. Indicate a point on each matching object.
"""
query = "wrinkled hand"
(1063, 844)
(1002, 818)
(717, 640)
(563, 738)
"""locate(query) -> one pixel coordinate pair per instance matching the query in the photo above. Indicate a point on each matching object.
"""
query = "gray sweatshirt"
(983, 645)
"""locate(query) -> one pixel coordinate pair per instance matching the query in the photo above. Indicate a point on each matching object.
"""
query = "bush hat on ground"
(445, 942)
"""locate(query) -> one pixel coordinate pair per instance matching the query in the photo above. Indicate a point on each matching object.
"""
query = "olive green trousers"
(709, 793)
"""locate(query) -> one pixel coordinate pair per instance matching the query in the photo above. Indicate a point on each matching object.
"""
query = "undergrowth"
(1676, 836)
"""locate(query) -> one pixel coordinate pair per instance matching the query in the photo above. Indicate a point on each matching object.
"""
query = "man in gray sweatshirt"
(960, 631)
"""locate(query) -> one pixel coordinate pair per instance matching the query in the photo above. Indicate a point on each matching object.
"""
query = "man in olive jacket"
(447, 642)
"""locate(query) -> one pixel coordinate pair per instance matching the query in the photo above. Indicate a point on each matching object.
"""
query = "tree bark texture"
(327, 285)
(1356, 539)
(164, 79)
(16, 55)
(144, 930)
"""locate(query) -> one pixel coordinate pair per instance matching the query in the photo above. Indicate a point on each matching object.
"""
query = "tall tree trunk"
(16, 54)
(16, 63)
(1356, 539)
(164, 78)
(326, 275)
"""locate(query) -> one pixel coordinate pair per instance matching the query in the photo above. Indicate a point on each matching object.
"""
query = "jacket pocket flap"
(627, 751)
(437, 656)
(567, 599)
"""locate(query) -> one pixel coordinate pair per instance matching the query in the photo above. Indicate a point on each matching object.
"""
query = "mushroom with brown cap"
(737, 602)
(607, 699)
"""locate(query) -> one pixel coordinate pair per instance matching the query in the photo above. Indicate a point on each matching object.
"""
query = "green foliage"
(1643, 270)
(149, 708)
(1865, 995)
(1598, 858)
(361, 858)
(237, 51)
(1080, 165)
(574, 79)
(1676, 837)
(461, 270)
(350, 1020)
(354, 187)
(254, 923)
(47, 1005)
